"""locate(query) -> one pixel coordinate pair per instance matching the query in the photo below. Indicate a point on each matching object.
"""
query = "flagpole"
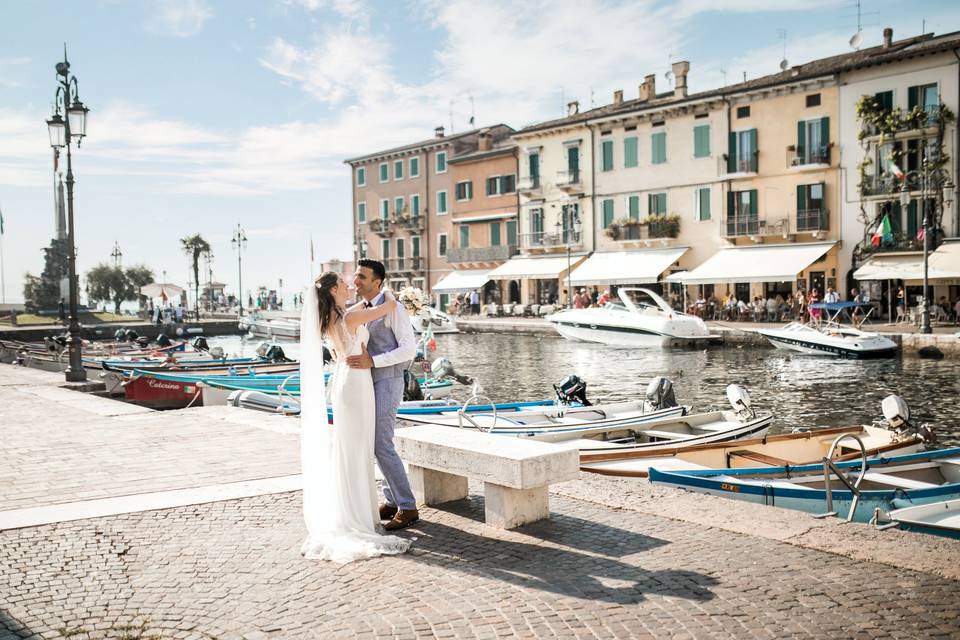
(3, 277)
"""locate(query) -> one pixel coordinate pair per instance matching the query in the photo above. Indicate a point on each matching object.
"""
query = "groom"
(392, 346)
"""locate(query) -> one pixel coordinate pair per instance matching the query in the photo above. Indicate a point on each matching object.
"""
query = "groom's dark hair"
(377, 267)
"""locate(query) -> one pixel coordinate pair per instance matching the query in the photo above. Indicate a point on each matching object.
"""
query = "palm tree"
(195, 247)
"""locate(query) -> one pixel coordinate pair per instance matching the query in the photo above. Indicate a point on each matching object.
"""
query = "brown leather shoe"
(402, 520)
(387, 511)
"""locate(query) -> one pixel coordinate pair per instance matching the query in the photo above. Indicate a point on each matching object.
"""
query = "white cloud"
(350, 9)
(179, 18)
(9, 68)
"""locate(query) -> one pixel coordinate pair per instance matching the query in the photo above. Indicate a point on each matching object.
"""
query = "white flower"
(413, 299)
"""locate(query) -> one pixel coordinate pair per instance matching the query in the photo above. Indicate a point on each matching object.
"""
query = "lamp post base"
(926, 330)
(73, 375)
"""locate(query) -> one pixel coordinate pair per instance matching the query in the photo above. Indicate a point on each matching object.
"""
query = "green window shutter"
(573, 160)
(414, 167)
(362, 212)
(658, 147)
(415, 246)
(398, 169)
(630, 156)
(512, 233)
(634, 207)
(731, 204)
(913, 97)
(663, 204)
(415, 206)
(383, 173)
(825, 132)
(701, 141)
(397, 205)
(913, 222)
(607, 213)
(704, 204)
(442, 249)
(753, 150)
(494, 234)
(464, 236)
(801, 138)
(534, 165)
(400, 251)
(386, 249)
(491, 186)
(801, 197)
(753, 203)
(732, 152)
(606, 148)
(884, 100)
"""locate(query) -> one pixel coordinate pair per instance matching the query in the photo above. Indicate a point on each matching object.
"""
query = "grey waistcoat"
(382, 340)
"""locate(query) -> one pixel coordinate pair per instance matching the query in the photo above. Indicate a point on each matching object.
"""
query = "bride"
(339, 489)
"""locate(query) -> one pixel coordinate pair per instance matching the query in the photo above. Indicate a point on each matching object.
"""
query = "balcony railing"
(481, 254)
(380, 226)
(814, 156)
(411, 223)
(753, 226)
(529, 184)
(545, 240)
(928, 120)
(740, 166)
(813, 220)
(410, 264)
(569, 180)
(668, 227)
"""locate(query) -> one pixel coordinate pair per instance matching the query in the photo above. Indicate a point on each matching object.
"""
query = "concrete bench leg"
(507, 508)
(436, 487)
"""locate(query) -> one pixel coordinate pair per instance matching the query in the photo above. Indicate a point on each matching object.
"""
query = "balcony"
(743, 166)
(813, 220)
(925, 123)
(381, 227)
(569, 181)
(814, 158)
(412, 265)
(410, 223)
(545, 240)
(653, 228)
(529, 185)
(481, 254)
(755, 228)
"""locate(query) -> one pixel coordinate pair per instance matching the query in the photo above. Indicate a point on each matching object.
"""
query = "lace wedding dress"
(339, 493)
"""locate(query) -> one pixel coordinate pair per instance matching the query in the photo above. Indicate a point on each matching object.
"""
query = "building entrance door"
(817, 281)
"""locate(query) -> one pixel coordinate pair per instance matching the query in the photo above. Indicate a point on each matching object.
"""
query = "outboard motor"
(897, 414)
(272, 352)
(163, 340)
(199, 343)
(443, 368)
(142, 342)
(216, 353)
(118, 335)
(740, 401)
(572, 390)
(130, 335)
(411, 388)
(660, 393)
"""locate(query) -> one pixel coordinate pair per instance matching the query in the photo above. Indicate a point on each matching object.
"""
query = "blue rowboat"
(888, 483)
(216, 390)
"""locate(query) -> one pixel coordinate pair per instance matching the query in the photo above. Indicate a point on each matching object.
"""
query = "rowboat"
(868, 484)
(176, 390)
(940, 518)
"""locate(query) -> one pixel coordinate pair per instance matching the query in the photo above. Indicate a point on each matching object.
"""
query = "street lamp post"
(63, 132)
(239, 243)
(931, 179)
(569, 225)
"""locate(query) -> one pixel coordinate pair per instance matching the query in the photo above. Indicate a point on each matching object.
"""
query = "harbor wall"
(106, 331)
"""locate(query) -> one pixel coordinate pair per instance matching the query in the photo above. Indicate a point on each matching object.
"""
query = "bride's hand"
(389, 300)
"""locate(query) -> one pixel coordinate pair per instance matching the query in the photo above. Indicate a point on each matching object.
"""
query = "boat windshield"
(642, 299)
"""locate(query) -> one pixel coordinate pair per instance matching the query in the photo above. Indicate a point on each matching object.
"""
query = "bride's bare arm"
(356, 317)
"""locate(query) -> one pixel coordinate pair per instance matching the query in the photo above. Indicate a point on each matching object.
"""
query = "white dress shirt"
(399, 322)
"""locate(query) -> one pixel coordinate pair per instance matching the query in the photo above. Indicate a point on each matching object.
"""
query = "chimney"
(680, 70)
(484, 142)
(887, 37)
(618, 97)
(648, 90)
(573, 108)
(438, 132)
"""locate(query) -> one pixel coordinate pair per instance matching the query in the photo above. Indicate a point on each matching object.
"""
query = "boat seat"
(668, 435)
(763, 458)
(897, 481)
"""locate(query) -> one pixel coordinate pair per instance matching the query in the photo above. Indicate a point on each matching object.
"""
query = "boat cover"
(626, 267)
(760, 263)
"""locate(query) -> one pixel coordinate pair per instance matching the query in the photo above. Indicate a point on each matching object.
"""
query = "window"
(703, 203)
(884, 100)
(464, 190)
(658, 147)
(630, 155)
(361, 212)
(742, 154)
(512, 233)
(924, 96)
(499, 185)
(742, 205)
(398, 169)
(385, 248)
(441, 162)
(361, 176)
(398, 206)
(401, 250)
(384, 172)
(811, 208)
(384, 208)
(464, 236)
(573, 162)
(441, 203)
(813, 100)
(415, 246)
(813, 138)
(494, 234)
(414, 167)
(701, 141)
(607, 213)
(534, 163)
(536, 221)
(415, 205)
(442, 245)
(633, 207)
(743, 112)
(606, 155)
(657, 204)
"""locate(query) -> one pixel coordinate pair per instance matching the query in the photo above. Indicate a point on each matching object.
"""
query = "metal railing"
(404, 265)
(754, 226)
(543, 239)
(481, 254)
(817, 155)
(813, 220)
(568, 178)
(529, 183)
(741, 165)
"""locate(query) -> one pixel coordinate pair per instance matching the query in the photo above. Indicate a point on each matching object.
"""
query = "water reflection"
(799, 390)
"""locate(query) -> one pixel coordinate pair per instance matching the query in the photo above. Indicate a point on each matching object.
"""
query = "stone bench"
(516, 472)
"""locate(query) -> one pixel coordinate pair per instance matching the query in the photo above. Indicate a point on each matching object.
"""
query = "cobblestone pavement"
(232, 570)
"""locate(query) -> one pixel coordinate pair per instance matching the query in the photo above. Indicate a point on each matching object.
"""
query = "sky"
(207, 114)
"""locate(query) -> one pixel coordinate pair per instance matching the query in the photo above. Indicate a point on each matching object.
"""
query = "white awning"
(542, 268)
(942, 265)
(460, 281)
(679, 276)
(626, 267)
(761, 263)
(945, 261)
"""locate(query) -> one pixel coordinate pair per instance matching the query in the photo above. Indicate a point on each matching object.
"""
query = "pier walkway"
(120, 522)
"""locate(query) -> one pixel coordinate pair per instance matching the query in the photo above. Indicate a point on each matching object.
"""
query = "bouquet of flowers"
(413, 299)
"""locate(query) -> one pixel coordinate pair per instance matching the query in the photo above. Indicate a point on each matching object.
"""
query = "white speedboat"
(830, 339)
(276, 324)
(435, 320)
(643, 319)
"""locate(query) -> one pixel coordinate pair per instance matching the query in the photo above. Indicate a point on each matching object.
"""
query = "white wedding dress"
(339, 493)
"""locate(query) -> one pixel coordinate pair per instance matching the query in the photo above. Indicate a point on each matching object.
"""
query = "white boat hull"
(611, 336)
(836, 342)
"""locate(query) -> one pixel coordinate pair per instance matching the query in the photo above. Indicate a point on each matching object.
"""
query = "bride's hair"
(330, 313)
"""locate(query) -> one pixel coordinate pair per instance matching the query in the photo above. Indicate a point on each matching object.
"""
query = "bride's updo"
(330, 313)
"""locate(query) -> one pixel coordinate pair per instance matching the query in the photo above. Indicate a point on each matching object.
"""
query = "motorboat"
(434, 320)
(830, 339)
(272, 325)
(640, 319)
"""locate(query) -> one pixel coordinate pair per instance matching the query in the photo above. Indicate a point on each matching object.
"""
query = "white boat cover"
(461, 280)
(626, 267)
(942, 264)
(543, 268)
(760, 263)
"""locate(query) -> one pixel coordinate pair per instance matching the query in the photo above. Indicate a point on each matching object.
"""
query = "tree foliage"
(43, 293)
(195, 247)
(108, 283)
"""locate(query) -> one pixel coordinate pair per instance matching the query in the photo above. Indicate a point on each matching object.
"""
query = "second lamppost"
(63, 133)
(239, 243)
(569, 226)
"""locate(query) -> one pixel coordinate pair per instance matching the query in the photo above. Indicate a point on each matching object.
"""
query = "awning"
(542, 268)
(626, 267)
(460, 281)
(942, 265)
(945, 261)
(761, 263)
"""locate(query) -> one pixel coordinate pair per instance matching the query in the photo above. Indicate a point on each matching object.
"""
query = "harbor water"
(801, 391)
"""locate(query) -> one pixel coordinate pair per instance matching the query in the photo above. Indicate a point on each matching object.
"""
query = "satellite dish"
(784, 64)
(856, 40)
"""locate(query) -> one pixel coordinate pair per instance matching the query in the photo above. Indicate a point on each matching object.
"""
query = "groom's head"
(369, 278)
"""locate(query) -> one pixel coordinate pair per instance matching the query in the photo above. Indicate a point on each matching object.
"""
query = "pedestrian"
(832, 296)
(856, 299)
(475, 302)
(814, 299)
(61, 312)
(578, 300)
(595, 295)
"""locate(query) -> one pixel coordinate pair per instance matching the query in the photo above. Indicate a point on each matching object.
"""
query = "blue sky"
(210, 113)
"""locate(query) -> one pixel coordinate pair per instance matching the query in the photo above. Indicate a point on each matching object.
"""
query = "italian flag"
(883, 232)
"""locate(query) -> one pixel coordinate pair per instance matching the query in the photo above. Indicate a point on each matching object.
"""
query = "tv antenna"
(782, 34)
(856, 40)
(723, 74)
(669, 74)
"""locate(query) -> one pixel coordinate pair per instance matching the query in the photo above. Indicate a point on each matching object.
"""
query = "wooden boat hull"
(168, 391)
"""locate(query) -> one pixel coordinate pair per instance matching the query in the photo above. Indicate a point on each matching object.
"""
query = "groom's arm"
(406, 349)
